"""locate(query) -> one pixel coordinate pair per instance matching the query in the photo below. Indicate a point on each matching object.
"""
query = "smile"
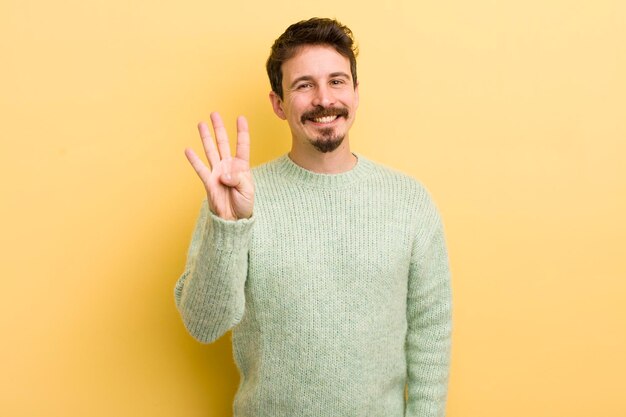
(324, 116)
(325, 120)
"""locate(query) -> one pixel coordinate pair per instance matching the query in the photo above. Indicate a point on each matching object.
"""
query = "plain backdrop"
(512, 113)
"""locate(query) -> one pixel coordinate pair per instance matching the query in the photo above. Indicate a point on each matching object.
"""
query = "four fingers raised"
(228, 180)
(222, 151)
(214, 153)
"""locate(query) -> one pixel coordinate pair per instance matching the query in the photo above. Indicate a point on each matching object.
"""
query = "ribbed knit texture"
(337, 291)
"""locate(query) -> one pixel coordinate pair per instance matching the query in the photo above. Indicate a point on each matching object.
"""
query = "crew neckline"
(296, 173)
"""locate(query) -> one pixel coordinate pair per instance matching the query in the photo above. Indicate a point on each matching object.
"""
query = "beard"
(327, 140)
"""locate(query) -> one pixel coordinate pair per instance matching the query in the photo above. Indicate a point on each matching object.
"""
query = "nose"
(323, 96)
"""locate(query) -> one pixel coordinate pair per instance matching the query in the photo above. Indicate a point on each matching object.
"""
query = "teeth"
(326, 119)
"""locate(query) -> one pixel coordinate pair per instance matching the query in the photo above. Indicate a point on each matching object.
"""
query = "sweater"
(337, 292)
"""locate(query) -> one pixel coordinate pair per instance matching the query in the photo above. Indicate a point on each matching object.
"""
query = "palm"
(228, 181)
(227, 202)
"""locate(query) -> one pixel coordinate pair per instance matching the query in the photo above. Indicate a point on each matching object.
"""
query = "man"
(330, 270)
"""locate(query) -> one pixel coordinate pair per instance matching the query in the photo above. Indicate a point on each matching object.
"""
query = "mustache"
(324, 112)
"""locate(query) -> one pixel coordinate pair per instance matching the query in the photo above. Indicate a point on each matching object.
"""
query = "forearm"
(210, 293)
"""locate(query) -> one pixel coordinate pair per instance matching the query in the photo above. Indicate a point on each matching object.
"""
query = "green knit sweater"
(337, 292)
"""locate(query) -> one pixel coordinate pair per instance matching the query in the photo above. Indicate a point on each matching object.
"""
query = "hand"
(228, 181)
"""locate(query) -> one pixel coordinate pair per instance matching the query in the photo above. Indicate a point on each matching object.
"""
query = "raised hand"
(228, 181)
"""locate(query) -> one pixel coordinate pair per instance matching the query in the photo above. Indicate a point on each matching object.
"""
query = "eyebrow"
(310, 78)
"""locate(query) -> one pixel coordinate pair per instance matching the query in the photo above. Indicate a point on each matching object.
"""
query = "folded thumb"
(230, 180)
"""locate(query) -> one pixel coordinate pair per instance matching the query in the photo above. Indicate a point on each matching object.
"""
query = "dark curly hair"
(315, 31)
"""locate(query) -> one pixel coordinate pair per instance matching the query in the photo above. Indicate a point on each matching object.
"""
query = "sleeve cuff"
(228, 234)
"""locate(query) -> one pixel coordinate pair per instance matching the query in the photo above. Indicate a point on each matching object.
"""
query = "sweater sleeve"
(429, 311)
(210, 293)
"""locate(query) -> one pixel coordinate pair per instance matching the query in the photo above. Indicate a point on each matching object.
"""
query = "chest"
(328, 260)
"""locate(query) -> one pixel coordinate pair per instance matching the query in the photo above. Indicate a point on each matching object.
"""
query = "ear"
(356, 95)
(277, 105)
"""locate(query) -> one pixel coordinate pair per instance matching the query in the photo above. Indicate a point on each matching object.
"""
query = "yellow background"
(512, 113)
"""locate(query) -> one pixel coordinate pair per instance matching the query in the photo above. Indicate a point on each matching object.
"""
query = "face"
(319, 98)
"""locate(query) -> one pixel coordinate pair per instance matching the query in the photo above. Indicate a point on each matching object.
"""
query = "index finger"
(243, 139)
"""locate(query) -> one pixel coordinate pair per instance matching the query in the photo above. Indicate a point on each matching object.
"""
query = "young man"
(330, 270)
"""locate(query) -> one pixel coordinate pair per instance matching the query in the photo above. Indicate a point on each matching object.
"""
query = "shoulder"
(411, 188)
(408, 194)
(387, 173)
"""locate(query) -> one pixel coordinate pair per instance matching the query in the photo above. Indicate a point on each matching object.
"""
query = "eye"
(304, 86)
(337, 82)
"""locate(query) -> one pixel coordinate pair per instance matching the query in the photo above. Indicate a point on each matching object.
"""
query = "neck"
(335, 162)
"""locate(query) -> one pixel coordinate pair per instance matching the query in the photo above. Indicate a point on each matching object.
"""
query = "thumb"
(230, 179)
(240, 180)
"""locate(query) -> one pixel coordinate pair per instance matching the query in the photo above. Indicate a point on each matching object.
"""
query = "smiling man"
(331, 270)
(319, 101)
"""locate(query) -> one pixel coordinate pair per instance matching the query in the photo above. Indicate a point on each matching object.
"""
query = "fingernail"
(227, 176)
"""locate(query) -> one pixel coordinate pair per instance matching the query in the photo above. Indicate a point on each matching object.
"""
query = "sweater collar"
(297, 174)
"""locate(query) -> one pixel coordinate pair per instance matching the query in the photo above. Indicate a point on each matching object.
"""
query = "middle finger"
(220, 135)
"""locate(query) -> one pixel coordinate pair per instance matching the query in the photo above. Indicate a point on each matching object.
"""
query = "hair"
(315, 31)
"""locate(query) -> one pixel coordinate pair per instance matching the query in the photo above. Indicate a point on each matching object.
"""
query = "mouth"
(324, 116)
(325, 119)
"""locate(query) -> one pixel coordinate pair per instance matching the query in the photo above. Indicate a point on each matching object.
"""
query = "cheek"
(295, 109)
(289, 106)
(351, 100)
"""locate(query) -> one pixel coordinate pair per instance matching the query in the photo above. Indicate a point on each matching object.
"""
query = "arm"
(429, 326)
(210, 293)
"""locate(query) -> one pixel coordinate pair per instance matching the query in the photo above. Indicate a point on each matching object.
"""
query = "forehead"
(315, 61)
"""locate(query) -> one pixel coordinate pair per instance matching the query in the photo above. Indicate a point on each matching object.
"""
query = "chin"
(326, 144)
